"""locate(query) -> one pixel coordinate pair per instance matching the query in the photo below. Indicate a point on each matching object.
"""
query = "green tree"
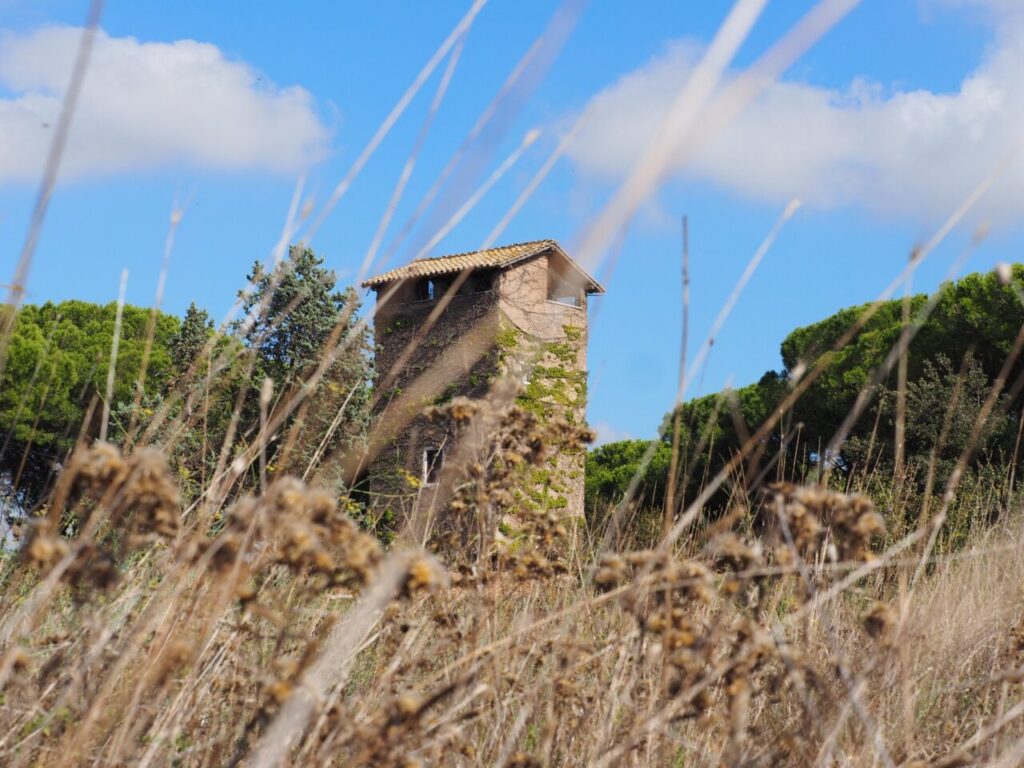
(976, 317)
(57, 363)
(943, 406)
(188, 342)
(292, 312)
(295, 317)
(195, 408)
(973, 325)
(610, 470)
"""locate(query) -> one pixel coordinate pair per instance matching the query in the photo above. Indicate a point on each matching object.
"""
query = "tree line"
(964, 338)
(197, 389)
(183, 381)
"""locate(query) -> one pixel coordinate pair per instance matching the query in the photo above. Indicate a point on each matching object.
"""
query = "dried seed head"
(1004, 273)
(176, 655)
(45, 549)
(523, 760)
(879, 621)
(821, 522)
(424, 575)
(408, 705)
(612, 571)
(100, 468)
(266, 392)
(729, 551)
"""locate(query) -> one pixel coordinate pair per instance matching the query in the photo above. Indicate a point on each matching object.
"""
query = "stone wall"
(551, 351)
(456, 357)
(511, 328)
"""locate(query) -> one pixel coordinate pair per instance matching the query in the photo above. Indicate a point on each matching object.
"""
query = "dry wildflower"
(279, 691)
(424, 575)
(99, 469)
(45, 547)
(151, 497)
(523, 760)
(739, 695)
(19, 659)
(819, 518)
(728, 550)
(135, 496)
(612, 571)
(175, 656)
(94, 566)
(284, 677)
(460, 410)
(1017, 639)
(405, 706)
(496, 491)
(530, 564)
(879, 622)
(565, 687)
(305, 532)
(691, 582)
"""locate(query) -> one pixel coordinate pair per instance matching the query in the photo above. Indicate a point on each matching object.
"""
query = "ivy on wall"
(555, 386)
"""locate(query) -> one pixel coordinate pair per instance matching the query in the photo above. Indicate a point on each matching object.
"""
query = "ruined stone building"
(452, 326)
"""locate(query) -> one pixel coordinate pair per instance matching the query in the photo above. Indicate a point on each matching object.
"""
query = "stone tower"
(450, 326)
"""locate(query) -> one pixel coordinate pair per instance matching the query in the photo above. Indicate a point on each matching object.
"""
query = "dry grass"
(266, 628)
(288, 636)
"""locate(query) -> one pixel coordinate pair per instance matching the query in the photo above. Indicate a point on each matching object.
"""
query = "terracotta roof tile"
(503, 256)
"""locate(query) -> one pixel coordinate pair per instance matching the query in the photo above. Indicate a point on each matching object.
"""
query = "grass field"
(189, 593)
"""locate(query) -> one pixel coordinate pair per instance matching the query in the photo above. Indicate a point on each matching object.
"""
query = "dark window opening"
(433, 460)
(426, 290)
(478, 282)
(481, 283)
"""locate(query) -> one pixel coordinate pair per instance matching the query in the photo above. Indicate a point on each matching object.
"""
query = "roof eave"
(591, 284)
(543, 246)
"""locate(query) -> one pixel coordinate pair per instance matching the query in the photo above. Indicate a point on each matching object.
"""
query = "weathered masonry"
(450, 326)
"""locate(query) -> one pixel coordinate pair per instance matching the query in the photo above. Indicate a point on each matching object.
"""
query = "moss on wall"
(516, 316)
(557, 385)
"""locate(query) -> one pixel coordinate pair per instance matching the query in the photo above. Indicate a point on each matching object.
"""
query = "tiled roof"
(500, 257)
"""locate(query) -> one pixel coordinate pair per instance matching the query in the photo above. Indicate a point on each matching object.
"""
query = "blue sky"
(882, 128)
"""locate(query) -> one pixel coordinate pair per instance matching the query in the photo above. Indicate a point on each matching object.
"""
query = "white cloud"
(913, 153)
(606, 433)
(148, 105)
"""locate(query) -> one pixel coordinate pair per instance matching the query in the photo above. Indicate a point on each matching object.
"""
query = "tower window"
(426, 290)
(478, 282)
(481, 283)
(563, 291)
(431, 288)
(433, 460)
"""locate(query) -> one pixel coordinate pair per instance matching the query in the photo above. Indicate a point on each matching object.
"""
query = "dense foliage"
(57, 364)
(611, 468)
(201, 388)
(964, 335)
(300, 319)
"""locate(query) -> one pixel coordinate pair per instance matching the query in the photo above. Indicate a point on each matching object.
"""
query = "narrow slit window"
(426, 290)
(433, 460)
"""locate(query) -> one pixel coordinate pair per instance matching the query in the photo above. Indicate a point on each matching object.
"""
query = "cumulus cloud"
(606, 433)
(913, 153)
(147, 105)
